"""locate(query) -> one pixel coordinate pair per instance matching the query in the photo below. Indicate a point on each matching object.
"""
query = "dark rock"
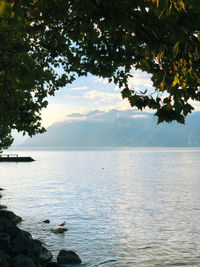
(23, 261)
(1, 196)
(5, 259)
(2, 207)
(1, 189)
(68, 257)
(6, 225)
(4, 241)
(26, 234)
(10, 215)
(22, 244)
(46, 221)
(45, 255)
(51, 264)
(59, 230)
(33, 250)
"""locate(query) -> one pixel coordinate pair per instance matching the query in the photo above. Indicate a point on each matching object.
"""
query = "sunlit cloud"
(117, 88)
(79, 88)
(195, 105)
(102, 96)
(140, 116)
(141, 79)
(57, 113)
(121, 104)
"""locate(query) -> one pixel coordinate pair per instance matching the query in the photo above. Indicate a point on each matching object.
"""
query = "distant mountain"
(118, 129)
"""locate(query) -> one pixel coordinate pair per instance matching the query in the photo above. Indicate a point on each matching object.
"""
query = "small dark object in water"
(46, 221)
(62, 224)
(59, 230)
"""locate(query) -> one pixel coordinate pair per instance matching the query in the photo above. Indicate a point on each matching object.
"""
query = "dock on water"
(14, 158)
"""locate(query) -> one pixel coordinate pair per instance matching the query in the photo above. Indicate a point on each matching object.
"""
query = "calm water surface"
(123, 207)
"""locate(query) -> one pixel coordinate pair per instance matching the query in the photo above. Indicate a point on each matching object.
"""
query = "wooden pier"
(14, 158)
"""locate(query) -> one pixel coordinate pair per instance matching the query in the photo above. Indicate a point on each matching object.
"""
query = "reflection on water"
(123, 207)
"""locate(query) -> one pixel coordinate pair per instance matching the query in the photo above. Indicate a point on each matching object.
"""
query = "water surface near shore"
(123, 207)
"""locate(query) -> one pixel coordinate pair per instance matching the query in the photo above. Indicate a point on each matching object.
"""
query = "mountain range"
(118, 129)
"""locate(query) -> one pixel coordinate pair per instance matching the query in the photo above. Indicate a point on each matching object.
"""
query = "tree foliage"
(105, 38)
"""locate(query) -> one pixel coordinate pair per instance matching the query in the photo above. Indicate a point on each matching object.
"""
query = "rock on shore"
(19, 249)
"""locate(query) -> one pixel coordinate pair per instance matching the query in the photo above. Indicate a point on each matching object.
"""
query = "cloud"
(121, 104)
(117, 88)
(100, 80)
(57, 113)
(102, 96)
(141, 79)
(140, 116)
(195, 105)
(79, 88)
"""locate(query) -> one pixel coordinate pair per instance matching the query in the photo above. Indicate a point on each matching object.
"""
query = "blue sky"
(88, 94)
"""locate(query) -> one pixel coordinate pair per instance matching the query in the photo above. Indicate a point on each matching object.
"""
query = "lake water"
(123, 207)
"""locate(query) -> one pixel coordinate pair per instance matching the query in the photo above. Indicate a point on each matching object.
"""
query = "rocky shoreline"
(19, 249)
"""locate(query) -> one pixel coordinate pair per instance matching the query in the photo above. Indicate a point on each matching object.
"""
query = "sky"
(93, 93)
(90, 93)
(84, 95)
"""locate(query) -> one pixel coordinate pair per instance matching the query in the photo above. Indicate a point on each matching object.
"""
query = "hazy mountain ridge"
(118, 128)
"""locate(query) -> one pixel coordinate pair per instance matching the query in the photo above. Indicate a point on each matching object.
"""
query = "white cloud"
(102, 96)
(140, 78)
(195, 105)
(117, 88)
(79, 88)
(100, 80)
(139, 116)
(121, 104)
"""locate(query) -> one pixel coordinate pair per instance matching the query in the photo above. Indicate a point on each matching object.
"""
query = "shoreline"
(18, 248)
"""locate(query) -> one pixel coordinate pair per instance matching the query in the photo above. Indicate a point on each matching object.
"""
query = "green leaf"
(126, 93)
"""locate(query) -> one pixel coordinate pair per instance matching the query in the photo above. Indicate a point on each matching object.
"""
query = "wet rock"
(46, 221)
(34, 250)
(45, 255)
(26, 234)
(51, 264)
(62, 224)
(4, 241)
(10, 215)
(24, 261)
(22, 244)
(68, 257)
(5, 259)
(2, 207)
(6, 225)
(59, 230)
